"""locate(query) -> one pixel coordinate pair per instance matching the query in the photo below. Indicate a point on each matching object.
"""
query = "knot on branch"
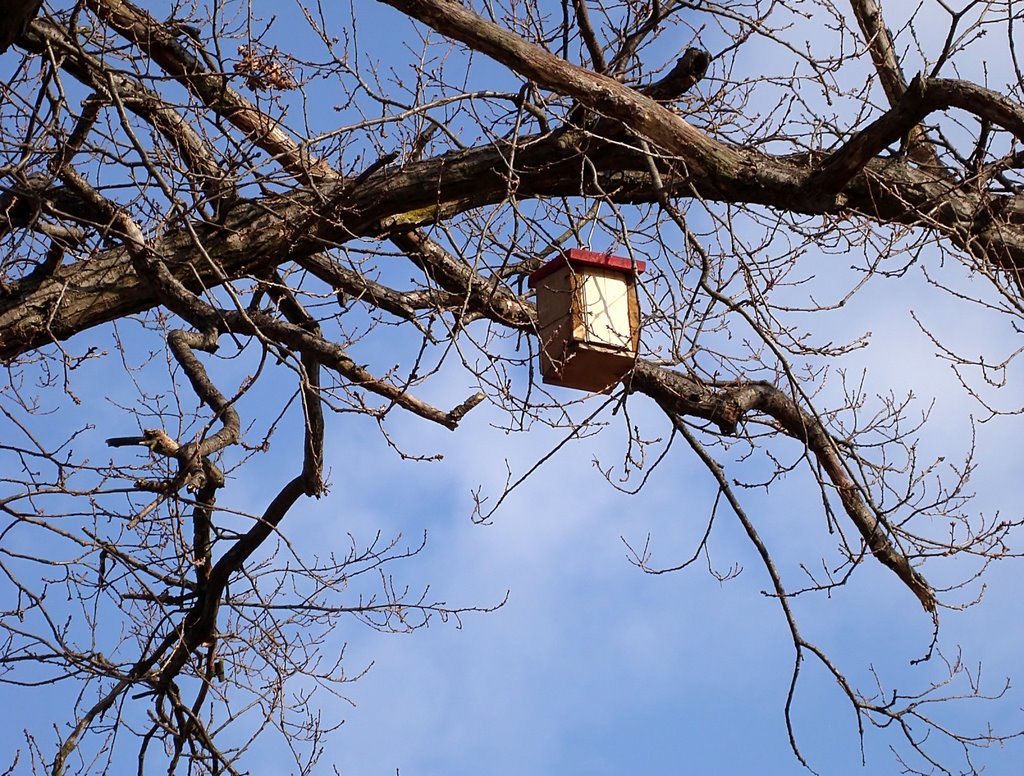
(156, 439)
(688, 71)
(457, 414)
(23, 200)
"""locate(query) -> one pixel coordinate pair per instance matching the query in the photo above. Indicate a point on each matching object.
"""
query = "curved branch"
(923, 97)
(201, 620)
(312, 406)
(727, 405)
(685, 74)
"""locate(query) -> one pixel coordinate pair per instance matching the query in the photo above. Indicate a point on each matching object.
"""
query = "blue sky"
(593, 667)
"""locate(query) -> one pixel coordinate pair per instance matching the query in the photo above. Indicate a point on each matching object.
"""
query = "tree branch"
(159, 43)
(726, 406)
(606, 96)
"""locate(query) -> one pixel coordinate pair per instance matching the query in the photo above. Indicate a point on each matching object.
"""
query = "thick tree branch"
(840, 167)
(262, 234)
(589, 36)
(487, 297)
(894, 83)
(700, 154)
(354, 285)
(333, 356)
(182, 345)
(880, 45)
(201, 620)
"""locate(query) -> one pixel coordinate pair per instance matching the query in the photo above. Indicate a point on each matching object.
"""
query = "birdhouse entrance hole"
(589, 319)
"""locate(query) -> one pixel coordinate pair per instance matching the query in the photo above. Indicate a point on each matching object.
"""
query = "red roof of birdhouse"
(580, 257)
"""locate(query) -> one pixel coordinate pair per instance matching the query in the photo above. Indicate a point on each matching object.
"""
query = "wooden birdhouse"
(589, 319)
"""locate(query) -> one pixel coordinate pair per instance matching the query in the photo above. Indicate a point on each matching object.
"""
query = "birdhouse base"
(586, 367)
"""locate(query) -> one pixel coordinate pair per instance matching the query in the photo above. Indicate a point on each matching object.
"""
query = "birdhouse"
(589, 319)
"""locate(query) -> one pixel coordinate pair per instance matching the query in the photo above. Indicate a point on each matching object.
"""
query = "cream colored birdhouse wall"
(605, 306)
